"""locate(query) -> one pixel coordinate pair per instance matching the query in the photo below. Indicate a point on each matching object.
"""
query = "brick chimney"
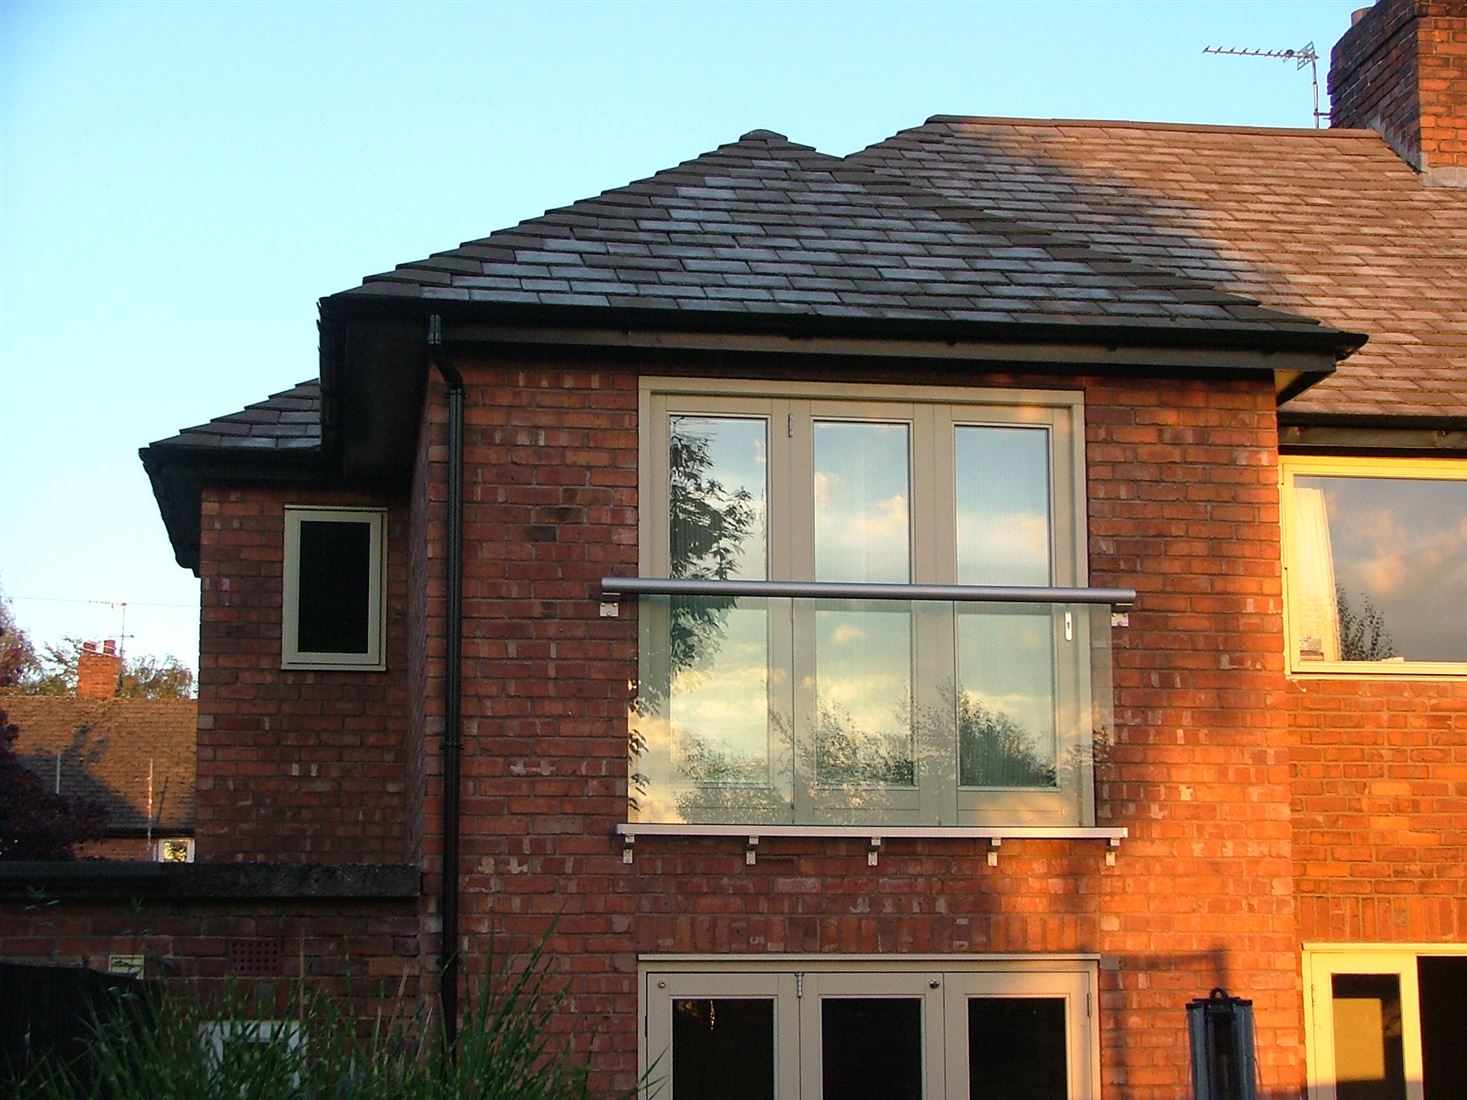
(1401, 70)
(98, 668)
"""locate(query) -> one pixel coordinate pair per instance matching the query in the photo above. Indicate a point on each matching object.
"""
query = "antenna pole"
(1304, 55)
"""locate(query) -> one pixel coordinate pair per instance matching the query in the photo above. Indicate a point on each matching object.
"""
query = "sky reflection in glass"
(1401, 544)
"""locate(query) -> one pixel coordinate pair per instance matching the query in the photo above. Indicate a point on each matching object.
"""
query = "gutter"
(448, 955)
(1260, 336)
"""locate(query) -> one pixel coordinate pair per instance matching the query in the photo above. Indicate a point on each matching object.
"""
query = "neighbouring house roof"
(102, 749)
(1330, 224)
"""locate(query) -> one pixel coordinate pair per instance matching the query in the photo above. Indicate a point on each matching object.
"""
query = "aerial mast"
(1304, 55)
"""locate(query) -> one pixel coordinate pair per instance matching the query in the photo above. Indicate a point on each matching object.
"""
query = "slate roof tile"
(1328, 224)
(290, 419)
(1004, 221)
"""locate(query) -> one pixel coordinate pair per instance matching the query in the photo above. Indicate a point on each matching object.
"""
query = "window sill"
(874, 835)
(1379, 670)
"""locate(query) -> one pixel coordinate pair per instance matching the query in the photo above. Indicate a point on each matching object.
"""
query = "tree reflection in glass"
(1006, 719)
(718, 648)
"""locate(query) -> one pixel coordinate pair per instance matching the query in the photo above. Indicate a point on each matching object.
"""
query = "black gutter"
(1237, 335)
(448, 955)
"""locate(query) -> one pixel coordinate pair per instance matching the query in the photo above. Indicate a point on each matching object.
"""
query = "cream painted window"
(334, 597)
(772, 1029)
(851, 711)
(1386, 1022)
(1376, 554)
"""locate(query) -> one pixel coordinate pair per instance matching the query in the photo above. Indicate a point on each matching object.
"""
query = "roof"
(765, 226)
(288, 420)
(1119, 232)
(1326, 223)
(104, 748)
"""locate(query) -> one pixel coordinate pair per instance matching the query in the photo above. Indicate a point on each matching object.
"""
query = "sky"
(181, 182)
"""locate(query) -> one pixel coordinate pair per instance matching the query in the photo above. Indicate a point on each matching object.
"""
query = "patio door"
(1387, 1023)
(870, 1034)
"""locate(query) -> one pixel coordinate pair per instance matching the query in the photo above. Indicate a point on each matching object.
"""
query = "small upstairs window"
(1376, 552)
(333, 607)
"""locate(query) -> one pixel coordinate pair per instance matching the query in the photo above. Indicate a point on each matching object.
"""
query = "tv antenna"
(1304, 55)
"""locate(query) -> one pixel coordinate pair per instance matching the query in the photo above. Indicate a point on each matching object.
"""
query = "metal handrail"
(862, 590)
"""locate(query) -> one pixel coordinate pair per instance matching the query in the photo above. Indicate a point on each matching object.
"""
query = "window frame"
(1361, 468)
(1322, 962)
(375, 657)
(933, 549)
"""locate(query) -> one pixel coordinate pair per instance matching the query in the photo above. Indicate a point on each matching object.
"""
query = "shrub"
(178, 1048)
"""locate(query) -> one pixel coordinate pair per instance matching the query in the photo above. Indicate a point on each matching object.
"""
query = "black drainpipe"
(452, 684)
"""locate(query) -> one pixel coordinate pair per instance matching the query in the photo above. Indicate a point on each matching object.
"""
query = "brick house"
(134, 757)
(1032, 548)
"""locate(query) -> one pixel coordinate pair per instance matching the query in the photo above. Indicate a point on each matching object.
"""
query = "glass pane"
(1002, 491)
(717, 498)
(1006, 707)
(1380, 569)
(704, 744)
(1443, 982)
(335, 586)
(862, 501)
(1016, 1047)
(871, 1048)
(863, 694)
(722, 1049)
(720, 690)
(1369, 1061)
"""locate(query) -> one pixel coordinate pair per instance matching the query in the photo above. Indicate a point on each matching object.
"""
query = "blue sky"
(179, 184)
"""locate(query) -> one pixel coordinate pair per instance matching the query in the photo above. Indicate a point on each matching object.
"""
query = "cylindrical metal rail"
(612, 587)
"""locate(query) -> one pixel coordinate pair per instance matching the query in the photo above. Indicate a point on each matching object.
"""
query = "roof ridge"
(1140, 124)
(765, 142)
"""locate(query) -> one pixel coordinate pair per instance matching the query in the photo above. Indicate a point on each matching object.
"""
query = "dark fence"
(50, 1012)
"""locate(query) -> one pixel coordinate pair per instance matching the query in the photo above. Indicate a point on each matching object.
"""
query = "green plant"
(258, 1045)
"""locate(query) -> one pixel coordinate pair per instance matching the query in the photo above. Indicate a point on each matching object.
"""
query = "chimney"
(1401, 70)
(98, 668)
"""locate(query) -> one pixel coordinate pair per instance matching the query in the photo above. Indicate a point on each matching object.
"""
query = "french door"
(908, 1033)
(1386, 1022)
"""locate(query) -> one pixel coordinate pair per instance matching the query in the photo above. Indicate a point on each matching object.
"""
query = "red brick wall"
(292, 765)
(1184, 507)
(1380, 809)
(1402, 70)
(340, 946)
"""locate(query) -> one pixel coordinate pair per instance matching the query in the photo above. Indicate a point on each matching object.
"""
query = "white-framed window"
(334, 599)
(254, 1049)
(853, 711)
(851, 1029)
(1386, 1021)
(1375, 551)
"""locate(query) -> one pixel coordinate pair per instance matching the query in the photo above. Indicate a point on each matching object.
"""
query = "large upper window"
(1377, 565)
(332, 613)
(755, 709)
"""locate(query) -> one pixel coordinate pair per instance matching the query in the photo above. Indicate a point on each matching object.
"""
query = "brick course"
(1380, 809)
(292, 765)
(1402, 70)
